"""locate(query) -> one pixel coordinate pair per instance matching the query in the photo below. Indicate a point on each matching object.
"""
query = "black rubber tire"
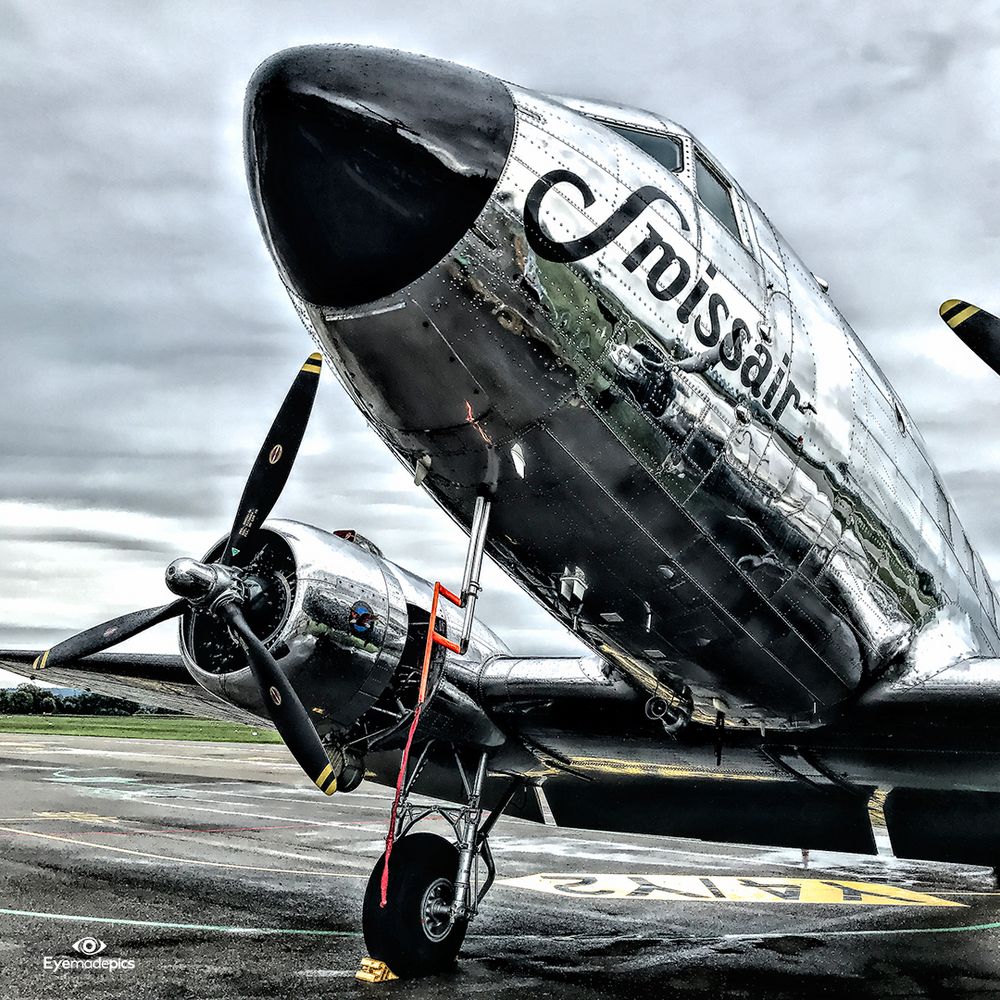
(396, 934)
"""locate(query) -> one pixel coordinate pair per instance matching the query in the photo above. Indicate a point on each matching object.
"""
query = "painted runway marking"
(77, 817)
(251, 848)
(159, 794)
(326, 973)
(562, 846)
(128, 828)
(270, 798)
(727, 888)
(168, 925)
(520, 936)
(181, 834)
(335, 824)
(178, 860)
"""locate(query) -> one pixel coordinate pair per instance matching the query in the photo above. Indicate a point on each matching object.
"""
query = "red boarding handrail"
(433, 636)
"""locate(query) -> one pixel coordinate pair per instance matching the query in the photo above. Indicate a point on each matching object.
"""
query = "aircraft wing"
(150, 679)
(950, 708)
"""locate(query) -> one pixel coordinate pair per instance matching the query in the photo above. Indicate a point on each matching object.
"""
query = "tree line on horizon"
(29, 699)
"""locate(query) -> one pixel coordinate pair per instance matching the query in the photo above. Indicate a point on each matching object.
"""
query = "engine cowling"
(333, 617)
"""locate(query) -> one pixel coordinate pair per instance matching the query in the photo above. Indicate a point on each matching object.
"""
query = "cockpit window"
(714, 194)
(665, 149)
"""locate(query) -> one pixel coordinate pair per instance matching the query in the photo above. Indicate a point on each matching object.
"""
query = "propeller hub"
(197, 581)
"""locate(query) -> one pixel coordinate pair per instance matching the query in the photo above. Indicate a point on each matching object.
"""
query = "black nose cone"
(368, 165)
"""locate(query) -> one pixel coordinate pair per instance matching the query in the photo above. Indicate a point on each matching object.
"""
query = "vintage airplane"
(601, 359)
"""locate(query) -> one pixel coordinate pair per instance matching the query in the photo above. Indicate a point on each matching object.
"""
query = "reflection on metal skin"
(339, 661)
(688, 401)
(510, 684)
(348, 627)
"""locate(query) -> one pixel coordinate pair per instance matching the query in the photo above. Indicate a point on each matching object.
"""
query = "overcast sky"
(147, 340)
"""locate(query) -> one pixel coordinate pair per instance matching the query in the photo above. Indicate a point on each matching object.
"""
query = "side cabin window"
(714, 193)
(985, 588)
(665, 149)
(965, 557)
(943, 512)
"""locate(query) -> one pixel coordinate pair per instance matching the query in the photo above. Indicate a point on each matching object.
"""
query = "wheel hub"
(435, 909)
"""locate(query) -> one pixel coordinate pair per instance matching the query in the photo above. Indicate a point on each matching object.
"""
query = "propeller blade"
(274, 462)
(976, 328)
(109, 633)
(287, 711)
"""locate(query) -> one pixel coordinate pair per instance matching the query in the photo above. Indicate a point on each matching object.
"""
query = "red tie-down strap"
(433, 636)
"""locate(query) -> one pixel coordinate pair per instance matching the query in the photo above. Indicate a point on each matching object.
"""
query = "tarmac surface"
(218, 871)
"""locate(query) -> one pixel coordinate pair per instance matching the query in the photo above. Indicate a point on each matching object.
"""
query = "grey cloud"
(26, 636)
(72, 536)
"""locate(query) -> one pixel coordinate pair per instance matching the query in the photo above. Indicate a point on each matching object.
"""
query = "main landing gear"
(434, 885)
(422, 894)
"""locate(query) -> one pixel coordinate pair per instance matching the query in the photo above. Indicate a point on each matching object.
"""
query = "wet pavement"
(218, 871)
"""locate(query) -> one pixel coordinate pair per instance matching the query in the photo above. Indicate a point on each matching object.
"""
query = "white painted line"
(318, 800)
(177, 860)
(170, 925)
(326, 973)
(621, 853)
(333, 824)
(229, 844)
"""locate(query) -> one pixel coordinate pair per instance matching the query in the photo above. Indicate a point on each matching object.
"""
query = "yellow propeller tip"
(956, 311)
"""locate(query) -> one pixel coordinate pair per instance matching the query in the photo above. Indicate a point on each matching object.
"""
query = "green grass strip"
(147, 727)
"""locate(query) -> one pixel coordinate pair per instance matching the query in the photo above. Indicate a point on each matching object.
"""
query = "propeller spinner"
(222, 588)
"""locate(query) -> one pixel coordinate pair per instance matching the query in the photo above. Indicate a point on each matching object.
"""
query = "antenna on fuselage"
(976, 328)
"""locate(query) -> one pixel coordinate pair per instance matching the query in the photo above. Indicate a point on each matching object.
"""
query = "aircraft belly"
(661, 554)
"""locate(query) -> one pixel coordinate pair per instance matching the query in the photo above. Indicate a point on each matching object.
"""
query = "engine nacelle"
(329, 610)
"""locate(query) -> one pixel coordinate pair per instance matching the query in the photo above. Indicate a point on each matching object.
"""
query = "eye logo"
(89, 946)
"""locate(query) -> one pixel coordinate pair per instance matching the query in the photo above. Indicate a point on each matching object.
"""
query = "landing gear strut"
(434, 885)
(422, 895)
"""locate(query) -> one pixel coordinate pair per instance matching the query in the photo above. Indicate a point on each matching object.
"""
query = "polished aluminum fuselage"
(764, 527)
